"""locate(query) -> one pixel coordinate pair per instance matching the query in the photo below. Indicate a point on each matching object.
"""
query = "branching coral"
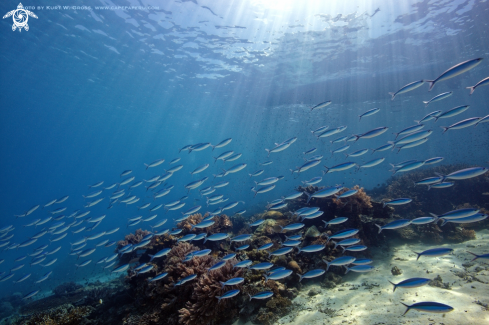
(203, 308)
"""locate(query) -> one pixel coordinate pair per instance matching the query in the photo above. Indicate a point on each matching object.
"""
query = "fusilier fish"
(430, 307)
(410, 86)
(435, 252)
(438, 97)
(320, 105)
(397, 202)
(369, 113)
(312, 274)
(452, 112)
(154, 163)
(462, 124)
(395, 224)
(410, 283)
(455, 71)
(222, 143)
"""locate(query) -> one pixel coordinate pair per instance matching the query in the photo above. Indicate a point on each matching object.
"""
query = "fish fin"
(445, 129)
(393, 95)
(471, 90)
(434, 215)
(380, 228)
(431, 83)
(393, 285)
(476, 256)
(408, 308)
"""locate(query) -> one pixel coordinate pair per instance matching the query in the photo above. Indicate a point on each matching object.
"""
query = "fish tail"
(300, 278)
(335, 244)
(426, 103)
(344, 249)
(360, 118)
(393, 285)
(219, 299)
(429, 187)
(419, 255)
(347, 269)
(393, 95)
(415, 121)
(436, 118)
(268, 152)
(471, 90)
(308, 197)
(444, 221)
(222, 284)
(266, 278)
(431, 83)
(147, 166)
(250, 296)
(213, 147)
(445, 129)
(346, 155)
(407, 308)
(476, 256)
(325, 223)
(380, 228)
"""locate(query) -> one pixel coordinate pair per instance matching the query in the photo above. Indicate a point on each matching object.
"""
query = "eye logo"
(20, 17)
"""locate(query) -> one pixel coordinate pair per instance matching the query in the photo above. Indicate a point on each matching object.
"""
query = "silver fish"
(410, 86)
(455, 71)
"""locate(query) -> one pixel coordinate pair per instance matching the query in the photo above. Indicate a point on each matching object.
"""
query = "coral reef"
(133, 238)
(203, 307)
(424, 200)
(466, 193)
(66, 314)
(66, 288)
(396, 271)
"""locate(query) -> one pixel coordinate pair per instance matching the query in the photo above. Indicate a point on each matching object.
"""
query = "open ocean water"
(91, 90)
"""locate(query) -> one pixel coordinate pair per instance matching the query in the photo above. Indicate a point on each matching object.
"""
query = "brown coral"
(63, 315)
(203, 308)
(133, 238)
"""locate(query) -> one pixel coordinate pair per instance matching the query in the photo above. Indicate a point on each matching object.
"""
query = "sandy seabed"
(368, 298)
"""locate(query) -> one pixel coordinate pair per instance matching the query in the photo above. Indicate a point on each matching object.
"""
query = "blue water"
(86, 95)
